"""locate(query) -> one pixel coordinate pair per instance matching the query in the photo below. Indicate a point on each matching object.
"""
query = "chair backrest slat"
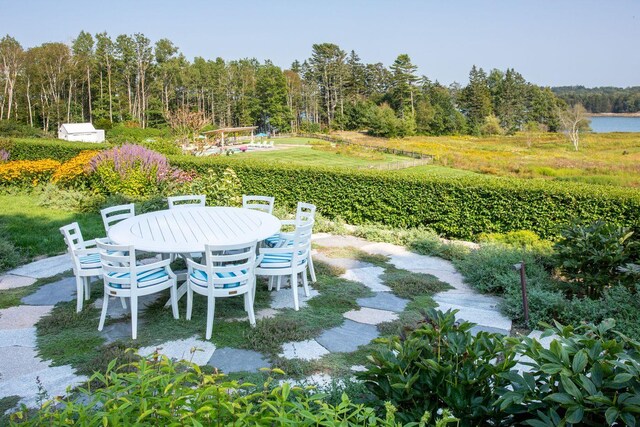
(187, 201)
(235, 262)
(305, 212)
(118, 260)
(114, 214)
(260, 203)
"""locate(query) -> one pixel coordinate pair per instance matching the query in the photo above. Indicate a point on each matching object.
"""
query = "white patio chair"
(187, 201)
(123, 278)
(289, 260)
(86, 261)
(228, 271)
(260, 203)
(114, 214)
(271, 144)
(305, 213)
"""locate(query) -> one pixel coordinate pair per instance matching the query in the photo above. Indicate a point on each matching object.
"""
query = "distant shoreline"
(615, 114)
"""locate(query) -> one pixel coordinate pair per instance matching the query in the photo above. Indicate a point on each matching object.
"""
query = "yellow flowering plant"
(75, 172)
(27, 172)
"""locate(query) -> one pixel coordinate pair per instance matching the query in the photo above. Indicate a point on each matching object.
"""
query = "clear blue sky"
(551, 42)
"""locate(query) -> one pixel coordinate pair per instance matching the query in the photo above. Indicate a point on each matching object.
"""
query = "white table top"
(188, 229)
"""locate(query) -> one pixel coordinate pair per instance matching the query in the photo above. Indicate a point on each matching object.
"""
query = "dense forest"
(602, 99)
(129, 79)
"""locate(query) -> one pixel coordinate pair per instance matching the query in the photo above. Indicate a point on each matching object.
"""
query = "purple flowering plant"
(135, 171)
(4, 155)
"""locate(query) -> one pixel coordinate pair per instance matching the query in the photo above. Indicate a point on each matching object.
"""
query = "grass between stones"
(67, 337)
(12, 297)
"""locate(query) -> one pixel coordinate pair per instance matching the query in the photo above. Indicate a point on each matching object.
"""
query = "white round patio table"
(187, 229)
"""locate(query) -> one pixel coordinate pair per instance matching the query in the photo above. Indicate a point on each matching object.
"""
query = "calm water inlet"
(615, 124)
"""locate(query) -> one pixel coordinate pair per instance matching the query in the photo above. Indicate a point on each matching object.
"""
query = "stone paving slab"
(182, 350)
(120, 330)
(116, 311)
(406, 260)
(546, 341)
(345, 263)
(54, 381)
(482, 328)
(305, 350)
(22, 316)
(483, 302)
(18, 337)
(284, 297)
(384, 301)
(52, 293)
(11, 281)
(371, 316)
(265, 313)
(368, 276)
(230, 360)
(348, 337)
(490, 318)
(18, 361)
(46, 267)
(335, 241)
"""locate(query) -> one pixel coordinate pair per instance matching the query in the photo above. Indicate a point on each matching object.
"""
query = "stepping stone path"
(231, 360)
(22, 372)
(21, 364)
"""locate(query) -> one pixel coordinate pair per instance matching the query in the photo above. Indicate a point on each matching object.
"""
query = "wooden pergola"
(234, 131)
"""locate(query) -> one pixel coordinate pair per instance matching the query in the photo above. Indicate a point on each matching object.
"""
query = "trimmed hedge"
(36, 149)
(459, 207)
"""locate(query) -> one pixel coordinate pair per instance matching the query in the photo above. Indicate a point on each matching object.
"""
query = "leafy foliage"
(454, 206)
(590, 256)
(157, 391)
(441, 364)
(588, 376)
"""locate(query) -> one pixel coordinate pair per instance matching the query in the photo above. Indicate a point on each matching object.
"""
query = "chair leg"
(87, 288)
(123, 301)
(305, 283)
(211, 311)
(271, 279)
(189, 301)
(294, 289)
(79, 293)
(248, 302)
(174, 301)
(278, 283)
(134, 317)
(103, 315)
(312, 270)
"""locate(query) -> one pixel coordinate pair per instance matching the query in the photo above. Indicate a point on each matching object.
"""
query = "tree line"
(128, 78)
(602, 99)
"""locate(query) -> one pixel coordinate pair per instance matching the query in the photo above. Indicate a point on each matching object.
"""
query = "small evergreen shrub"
(441, 364)
(589, 376)
(590, 256)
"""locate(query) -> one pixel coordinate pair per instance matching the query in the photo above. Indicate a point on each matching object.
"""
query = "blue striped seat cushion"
(145, 278)
(281, 258)
(272, 241)
(89, 261)
(199, 278)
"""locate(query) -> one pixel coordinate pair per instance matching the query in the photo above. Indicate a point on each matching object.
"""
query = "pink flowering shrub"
(4, 155)
(134, 171)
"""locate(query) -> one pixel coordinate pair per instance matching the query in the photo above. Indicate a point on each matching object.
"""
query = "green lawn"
(311, 157)
(34, 229)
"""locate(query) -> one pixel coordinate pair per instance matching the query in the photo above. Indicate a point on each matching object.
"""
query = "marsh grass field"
(605, 158)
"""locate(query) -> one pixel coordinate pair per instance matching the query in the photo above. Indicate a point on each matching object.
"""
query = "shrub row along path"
(25, 374)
